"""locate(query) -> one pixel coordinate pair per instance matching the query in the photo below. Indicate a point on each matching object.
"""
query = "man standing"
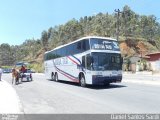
(1, 71)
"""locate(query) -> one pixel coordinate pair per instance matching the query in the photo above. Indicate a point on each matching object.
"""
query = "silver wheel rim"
(82, 81)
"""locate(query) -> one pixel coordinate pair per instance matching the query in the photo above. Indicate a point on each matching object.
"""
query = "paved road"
(44, 96)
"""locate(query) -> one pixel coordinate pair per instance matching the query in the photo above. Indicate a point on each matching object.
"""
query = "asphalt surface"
(45, 96)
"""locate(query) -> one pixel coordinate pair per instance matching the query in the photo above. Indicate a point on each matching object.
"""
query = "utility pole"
(117, 26)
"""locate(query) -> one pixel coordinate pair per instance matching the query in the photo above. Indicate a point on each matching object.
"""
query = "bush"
(6, 67)
(37, 67)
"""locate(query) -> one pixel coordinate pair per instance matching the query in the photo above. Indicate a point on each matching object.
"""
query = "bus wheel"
(52, 76)
(56, 77)
(82, 81)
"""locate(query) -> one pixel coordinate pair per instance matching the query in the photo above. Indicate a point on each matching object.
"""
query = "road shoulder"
(9, 100)
(142, 78)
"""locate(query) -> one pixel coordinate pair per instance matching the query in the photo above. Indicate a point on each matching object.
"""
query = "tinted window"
(71, 49)
(88, 64)
(85, 45)
(106, 61)
(81, 46)
(53, 54)
(61, 52)
(50, 55)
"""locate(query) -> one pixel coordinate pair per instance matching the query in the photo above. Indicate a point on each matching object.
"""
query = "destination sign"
(105, 45)
(102, 46)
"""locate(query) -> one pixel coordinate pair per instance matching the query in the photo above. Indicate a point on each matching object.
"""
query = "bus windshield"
(104, 44)
(106, 61)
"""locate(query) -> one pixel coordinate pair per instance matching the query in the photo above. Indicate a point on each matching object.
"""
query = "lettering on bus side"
(64, 60)
(57, 61)
(61, 61)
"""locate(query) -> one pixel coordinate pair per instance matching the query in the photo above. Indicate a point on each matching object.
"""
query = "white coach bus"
(90, 60)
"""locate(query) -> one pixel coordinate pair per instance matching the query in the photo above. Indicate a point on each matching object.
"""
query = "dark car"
(7, 70)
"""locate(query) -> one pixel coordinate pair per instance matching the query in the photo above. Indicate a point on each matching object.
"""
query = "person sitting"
(22, 71)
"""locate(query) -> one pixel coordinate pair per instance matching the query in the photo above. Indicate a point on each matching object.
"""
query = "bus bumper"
(102, 80)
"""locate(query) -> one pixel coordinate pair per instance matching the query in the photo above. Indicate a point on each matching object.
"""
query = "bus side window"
(79, 46)
(85, 45)
(69, 50)
(88, 61)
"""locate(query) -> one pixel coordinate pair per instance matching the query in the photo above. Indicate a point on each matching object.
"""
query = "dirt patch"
(131, 47)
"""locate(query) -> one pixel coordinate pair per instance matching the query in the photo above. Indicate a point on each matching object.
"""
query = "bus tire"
(56, 77)
(82, 81)
(52, 76)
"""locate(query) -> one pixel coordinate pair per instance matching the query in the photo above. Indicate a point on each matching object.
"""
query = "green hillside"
(135, 31)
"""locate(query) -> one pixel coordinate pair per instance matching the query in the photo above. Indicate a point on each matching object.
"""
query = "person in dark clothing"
(22, 71)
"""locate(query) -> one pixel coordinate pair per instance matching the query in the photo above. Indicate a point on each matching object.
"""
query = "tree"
(6, 56)
(44, 39)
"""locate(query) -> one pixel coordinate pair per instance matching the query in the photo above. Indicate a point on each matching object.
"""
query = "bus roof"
(88, 37)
